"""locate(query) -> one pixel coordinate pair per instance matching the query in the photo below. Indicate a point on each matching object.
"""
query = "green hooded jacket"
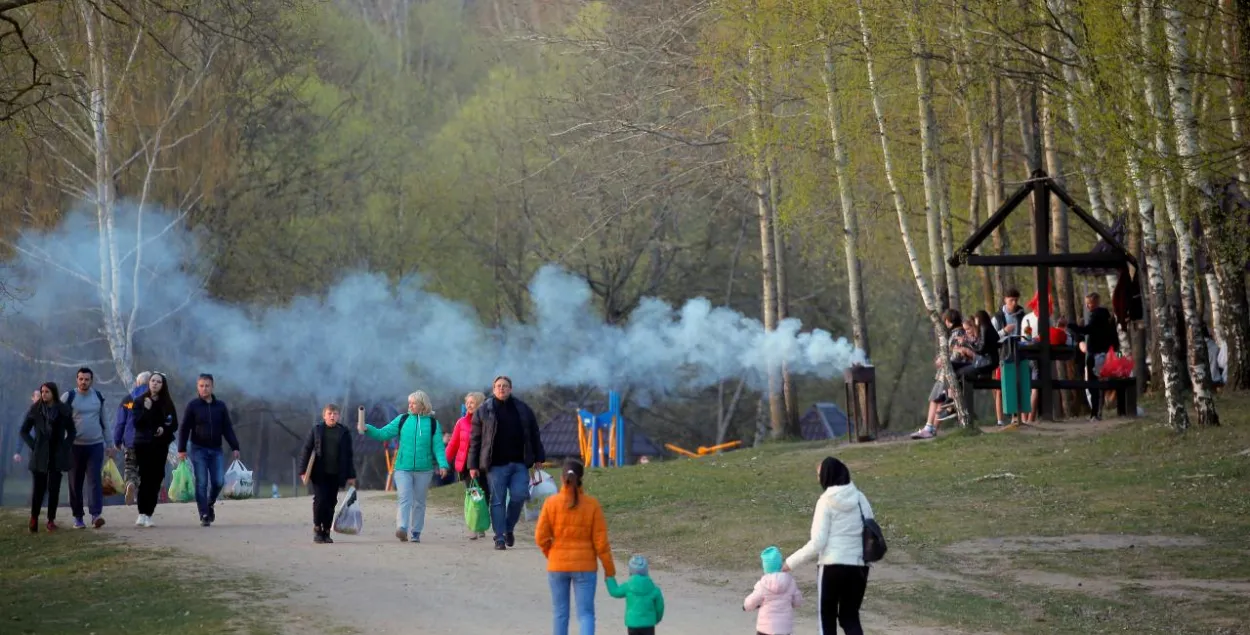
(644, 603)
(415, 444)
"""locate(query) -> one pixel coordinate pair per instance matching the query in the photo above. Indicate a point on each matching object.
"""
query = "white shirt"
(837, 529)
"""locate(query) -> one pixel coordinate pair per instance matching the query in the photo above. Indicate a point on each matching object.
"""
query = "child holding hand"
(644, 603)
(776, 596)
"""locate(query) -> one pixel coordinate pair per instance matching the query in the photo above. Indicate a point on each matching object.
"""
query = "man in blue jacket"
(205, 421)
(124, 437)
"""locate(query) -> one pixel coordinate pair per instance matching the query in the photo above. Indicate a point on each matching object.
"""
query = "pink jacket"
(458, 449)
(776, 596)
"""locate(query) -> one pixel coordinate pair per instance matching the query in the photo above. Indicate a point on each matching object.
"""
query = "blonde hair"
(477, 398)
(423, 403)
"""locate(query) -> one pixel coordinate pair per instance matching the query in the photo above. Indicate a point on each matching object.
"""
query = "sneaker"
(97, 522)
(51, 526)
(205, 522)
(481, 534)
(212, 515)
(510, 539)
(79, 524)
(34, 525)
(1000, 423)
(139, 521)
(415, 537)
(147, 522)
(402, 534)
(132, 493)
(500, 546)
(924, 433)
(473, 536)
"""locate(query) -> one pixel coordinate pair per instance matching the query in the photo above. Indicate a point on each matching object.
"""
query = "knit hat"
(771, 559)
(638, 566)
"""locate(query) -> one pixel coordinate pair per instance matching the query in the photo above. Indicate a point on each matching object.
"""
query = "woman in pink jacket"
(458, 448)
(776, 596)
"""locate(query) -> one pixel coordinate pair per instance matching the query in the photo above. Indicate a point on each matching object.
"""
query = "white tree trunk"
(763, 196)
(1186, 126)
(928, 156)
(900, 208)
(1234, 102)
(850, 220)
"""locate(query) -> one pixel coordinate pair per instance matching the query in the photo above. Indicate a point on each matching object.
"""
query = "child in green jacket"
(644, 603)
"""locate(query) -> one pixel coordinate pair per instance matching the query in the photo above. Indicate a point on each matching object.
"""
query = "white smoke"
(380, 340)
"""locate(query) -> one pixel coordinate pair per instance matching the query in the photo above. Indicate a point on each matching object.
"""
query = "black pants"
(650, 630)
(45, 484)
(841, 590)
(325, 498)
(482, 482)
(151, 458)
(1092, 395)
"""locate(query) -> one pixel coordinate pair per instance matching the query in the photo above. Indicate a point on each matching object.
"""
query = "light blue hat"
(638, 566)
(771, 559)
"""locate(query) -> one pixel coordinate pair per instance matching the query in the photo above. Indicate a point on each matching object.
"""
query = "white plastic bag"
(541, 486)
(531, 512)
(238, 481)
(348, 519)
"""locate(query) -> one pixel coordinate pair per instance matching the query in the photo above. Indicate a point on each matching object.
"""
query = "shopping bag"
(348, 519)
(476, 509)
(532, 511)
(238, 481)
(541, 485)
(1116, 366)
(182, 484)
(111, 482)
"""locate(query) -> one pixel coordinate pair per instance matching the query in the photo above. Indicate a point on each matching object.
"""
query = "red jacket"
(458, 449)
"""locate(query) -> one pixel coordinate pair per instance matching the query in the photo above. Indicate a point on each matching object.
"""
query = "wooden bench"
(1125, 390)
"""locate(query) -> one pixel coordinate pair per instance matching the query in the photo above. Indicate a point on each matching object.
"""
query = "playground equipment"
(601, 437)
(702, 450)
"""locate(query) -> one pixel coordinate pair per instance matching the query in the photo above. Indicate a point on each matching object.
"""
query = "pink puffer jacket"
(776, 596)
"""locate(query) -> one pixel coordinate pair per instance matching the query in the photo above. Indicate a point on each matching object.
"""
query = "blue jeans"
(210, 477)
(411, 488)
(583, 589)
(86, 462)
(509, 489)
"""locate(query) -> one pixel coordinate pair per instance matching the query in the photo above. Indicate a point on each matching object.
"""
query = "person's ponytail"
(572, 478)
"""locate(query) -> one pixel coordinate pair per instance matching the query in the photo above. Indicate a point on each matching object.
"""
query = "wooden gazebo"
(1112, 256)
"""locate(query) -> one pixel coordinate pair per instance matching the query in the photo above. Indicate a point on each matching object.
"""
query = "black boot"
(325, 537)
(318, 538)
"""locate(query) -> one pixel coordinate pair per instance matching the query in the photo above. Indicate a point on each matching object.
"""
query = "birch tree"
(928, 154)
(900, 207)
(102, 96)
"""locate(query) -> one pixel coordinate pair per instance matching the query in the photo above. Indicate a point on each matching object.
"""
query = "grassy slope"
(717, 513)
(82, 582)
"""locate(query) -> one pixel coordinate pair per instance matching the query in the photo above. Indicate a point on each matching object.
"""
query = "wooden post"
(1041, 245)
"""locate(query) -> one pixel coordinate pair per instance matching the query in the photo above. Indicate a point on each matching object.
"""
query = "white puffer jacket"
(837, 529)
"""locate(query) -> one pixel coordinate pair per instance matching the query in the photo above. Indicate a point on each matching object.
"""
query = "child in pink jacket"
(776, 596)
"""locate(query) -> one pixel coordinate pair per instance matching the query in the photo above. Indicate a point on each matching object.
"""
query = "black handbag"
(874, 539)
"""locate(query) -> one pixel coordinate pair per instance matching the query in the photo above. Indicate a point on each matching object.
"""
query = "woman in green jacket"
(52, 425)
(420, 452)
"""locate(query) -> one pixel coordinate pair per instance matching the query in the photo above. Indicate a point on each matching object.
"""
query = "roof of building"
(824, 420)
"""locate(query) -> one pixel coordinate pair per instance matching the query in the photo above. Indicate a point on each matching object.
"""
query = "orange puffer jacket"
(572, 539)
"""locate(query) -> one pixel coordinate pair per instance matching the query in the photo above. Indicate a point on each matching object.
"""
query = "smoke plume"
(375, 340)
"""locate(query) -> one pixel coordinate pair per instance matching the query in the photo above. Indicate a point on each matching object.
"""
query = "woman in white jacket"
(837, 543)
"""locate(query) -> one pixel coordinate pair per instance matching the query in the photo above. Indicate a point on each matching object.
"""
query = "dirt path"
(374, 584)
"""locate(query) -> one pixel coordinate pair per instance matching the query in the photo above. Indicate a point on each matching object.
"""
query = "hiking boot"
(79, 524)
(97, 522)
(402, 534)
(510, 539)
(132, 493)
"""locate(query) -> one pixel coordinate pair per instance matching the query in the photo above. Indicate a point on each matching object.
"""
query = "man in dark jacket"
(1100, 337)
(206, 420)
(124, 436)
(505, 444)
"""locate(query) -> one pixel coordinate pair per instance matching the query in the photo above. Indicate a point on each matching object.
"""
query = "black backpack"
(69, 401)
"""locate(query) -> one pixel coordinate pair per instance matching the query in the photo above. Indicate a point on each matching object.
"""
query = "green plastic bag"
(182, 484)
(476, 511)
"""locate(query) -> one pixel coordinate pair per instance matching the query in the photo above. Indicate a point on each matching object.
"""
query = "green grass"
(716, 513)
(82, 582)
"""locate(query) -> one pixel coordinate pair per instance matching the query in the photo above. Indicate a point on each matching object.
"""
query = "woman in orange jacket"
(573, 536)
